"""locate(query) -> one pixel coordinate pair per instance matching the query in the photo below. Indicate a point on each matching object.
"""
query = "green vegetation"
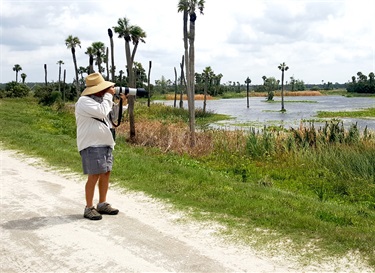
(174, 115)
(286, 188)
(233, 95)
(365, 113)
(362, 84)
(334, 92)
(14, 90)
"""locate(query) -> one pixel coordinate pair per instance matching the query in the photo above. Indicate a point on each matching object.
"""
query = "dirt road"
(43, 230)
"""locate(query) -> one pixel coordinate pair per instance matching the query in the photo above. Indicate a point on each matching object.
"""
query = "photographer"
(95, 141)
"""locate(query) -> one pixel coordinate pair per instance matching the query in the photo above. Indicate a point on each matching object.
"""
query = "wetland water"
(298, 109)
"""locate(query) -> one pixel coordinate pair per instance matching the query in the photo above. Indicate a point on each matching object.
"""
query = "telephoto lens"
(139, 92)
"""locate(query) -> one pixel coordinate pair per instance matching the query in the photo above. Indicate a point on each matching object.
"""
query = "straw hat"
(95, 83)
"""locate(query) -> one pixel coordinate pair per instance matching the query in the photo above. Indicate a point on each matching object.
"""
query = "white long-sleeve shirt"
(91, 132)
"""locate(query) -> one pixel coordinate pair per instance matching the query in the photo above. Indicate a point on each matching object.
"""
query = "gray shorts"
(96, 160)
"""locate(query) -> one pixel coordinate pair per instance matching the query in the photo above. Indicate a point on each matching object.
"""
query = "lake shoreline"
(303, 109)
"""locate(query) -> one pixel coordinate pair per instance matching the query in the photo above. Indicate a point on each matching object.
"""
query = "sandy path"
(43, 230)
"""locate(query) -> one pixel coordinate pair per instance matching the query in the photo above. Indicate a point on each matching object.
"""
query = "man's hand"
(111, 90)
(124, 99)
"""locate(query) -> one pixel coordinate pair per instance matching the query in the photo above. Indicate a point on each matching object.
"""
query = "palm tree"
(17, 68)
(99, 51)
(121, 72)
(182, 81)
(60, 62)
(90, 51)
(361, 77)
(183, 7)
(82, 70)
(264, 78)
(130, 33)
(138, 35)
(371, 77)
(72, 42)
(23, 77)
(139, 74)
(208, 74)
(113, 68)
(134, 34)
(188, 7)
(217, 80)
(283, 67)
(123, 31)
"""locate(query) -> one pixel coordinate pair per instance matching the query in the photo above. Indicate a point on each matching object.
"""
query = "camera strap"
(119, 116)
(110, 116)
(101, 120)
(113, 131)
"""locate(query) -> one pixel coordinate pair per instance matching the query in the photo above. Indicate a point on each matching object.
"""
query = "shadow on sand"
(40, 222)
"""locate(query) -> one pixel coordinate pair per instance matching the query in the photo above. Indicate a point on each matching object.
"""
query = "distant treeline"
(362, 84)
(31, 85)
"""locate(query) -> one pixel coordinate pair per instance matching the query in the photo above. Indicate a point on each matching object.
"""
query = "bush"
(46, 95)
(270, 95)
(315, 88)
(15, 90)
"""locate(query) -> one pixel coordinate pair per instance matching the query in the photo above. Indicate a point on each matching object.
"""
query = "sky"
(319, 40)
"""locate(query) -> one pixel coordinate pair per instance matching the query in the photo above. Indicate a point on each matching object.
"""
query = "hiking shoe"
(92, 214)
(105, 208)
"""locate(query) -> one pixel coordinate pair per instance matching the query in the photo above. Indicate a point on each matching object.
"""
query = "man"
(95, 142)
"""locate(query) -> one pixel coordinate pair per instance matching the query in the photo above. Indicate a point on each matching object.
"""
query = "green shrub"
(47, 95)
(315, 88)
(2, 93)
(16, 90)
(270, 95)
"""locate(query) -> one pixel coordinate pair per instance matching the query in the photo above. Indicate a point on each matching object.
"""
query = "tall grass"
(332, 163)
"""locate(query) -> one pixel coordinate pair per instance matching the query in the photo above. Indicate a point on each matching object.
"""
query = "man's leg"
(90, 189)
(103, 207)
(103, 186)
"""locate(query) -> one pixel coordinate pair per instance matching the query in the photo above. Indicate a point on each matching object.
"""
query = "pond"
(298, 109)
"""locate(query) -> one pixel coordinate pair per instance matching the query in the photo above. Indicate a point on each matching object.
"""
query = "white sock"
(101, 204)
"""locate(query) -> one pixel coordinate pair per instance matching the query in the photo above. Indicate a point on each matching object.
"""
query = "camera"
(139, 92)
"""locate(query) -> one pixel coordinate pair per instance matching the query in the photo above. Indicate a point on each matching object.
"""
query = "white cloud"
(318, 39)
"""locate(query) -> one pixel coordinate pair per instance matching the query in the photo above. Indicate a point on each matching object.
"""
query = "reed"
(340, 156)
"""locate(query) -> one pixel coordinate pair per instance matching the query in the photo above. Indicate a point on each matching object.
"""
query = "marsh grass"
(160, 112)
(364, 113)
(321, 178)
(306, 190)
